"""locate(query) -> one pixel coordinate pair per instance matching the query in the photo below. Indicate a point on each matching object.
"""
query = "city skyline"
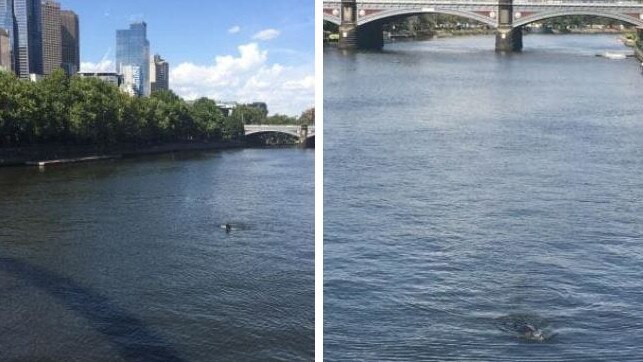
(222, 51)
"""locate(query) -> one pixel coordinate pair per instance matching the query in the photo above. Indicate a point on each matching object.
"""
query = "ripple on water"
(469, 195)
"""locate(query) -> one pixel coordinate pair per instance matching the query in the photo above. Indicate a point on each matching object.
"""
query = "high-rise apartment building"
(133, 50)
(6, 61)
(159, 74)
(51, 36)
(7, 24)
(27, 49)
(70, 37)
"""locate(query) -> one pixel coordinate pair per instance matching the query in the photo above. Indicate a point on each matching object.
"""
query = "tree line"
(250, 114)
(431, 22)
(81, 111)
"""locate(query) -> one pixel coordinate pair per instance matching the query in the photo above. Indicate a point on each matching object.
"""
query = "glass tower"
(70, 42)
(28, 37)
(133, 49)
(7, 21)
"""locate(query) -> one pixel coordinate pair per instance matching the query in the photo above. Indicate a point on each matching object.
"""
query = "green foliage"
(281, 119)
(232, 128)
(79, 110)
(308, 117)
(208, 118)
(248, 114)
(580, 21)
(431, 22)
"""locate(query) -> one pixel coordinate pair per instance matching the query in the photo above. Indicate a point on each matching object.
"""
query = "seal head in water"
(532, 333)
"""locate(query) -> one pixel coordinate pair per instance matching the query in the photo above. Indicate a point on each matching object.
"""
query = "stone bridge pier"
(508, 37)
(348, 26)
(352, 36)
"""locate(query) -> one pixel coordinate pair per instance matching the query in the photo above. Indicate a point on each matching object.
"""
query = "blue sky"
(245, 50)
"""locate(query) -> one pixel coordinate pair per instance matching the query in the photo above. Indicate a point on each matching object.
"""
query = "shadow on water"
(134, 341)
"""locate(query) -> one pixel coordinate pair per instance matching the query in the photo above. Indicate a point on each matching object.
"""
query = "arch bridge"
(360, 21)
(303, 133)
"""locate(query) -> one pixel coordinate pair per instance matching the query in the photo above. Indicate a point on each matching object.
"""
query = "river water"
(469, 195)
(126, 260)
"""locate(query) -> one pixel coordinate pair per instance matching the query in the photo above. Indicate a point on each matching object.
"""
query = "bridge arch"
(266, 132)
(560, 13)
(386, 14)
(332, 19)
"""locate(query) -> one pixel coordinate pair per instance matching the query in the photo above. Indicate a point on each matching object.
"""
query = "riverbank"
(58, 154)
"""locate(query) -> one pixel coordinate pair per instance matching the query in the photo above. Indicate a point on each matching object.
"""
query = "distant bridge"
(361, 21)
(303, 133)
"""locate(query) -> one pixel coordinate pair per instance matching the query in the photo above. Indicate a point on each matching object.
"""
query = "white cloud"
(307, 83)
(248, 77)
(235, 29)
(100, 67)
(267, 34)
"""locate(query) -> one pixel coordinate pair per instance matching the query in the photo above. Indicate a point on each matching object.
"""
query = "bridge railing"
(608, 3)
(412, 2)
(268, 127)
(596, 3)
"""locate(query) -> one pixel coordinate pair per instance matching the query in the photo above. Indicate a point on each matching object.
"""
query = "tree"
(52, 123)
(86, 111)
(308, 117)
(174, 117)
(18, 109)
(232, 129)
(250, 115)
(94, 112)
(208, 118)
(281, 119)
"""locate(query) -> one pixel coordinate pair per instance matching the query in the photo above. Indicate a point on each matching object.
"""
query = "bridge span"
(303, 133)
(360, 21)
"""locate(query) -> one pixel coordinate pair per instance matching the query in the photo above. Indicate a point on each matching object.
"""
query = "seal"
(531, 333)
(227, 227)
(525, 327)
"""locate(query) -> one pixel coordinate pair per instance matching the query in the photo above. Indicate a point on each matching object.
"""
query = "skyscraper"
(70, 36)
(133, 49)
(159, 74)
(51, 37)
(132, 80)
(28, 37)
(6, 63)
(7, 24)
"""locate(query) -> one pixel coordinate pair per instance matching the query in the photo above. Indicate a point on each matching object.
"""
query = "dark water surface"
(126, 261)
(470, 196)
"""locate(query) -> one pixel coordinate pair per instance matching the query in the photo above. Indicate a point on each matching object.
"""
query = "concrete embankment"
(58, 154)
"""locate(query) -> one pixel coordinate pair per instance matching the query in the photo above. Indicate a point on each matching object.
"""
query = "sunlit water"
(471, 196)
(127, 260)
